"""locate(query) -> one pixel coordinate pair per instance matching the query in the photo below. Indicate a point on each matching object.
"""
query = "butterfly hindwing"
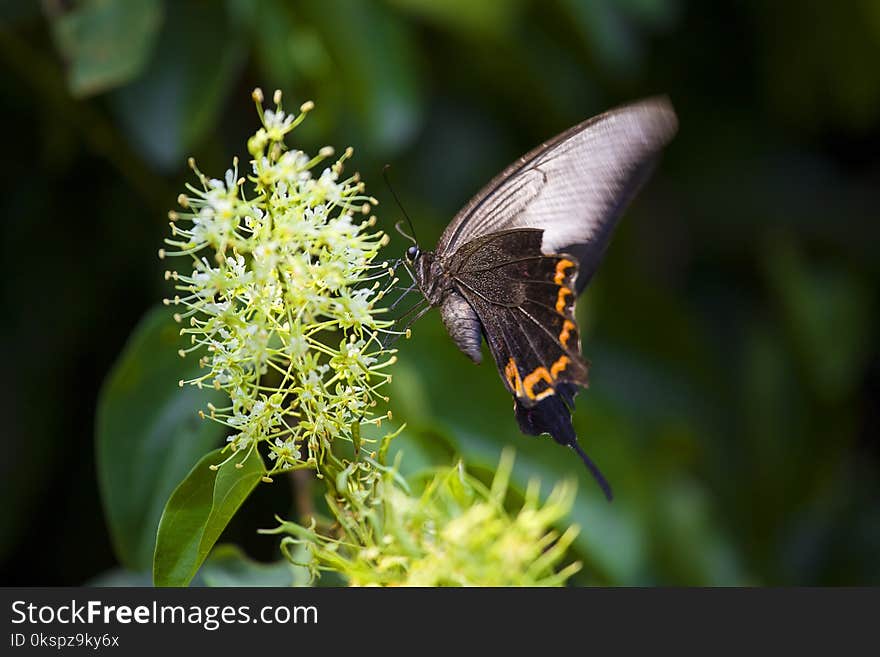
(525, 302)
(530, 361)
(542, 374)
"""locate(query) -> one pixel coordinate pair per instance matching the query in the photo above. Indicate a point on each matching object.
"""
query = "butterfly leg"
(392, 336)
(402, 296)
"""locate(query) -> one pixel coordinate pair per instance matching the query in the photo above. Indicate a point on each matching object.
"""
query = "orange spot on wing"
(559, 366)
(567, 327)
(539, 374)
(560, 299)
(561, 266)
(512, 374)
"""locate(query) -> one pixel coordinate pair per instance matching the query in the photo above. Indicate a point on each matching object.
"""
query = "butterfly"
(511, 264)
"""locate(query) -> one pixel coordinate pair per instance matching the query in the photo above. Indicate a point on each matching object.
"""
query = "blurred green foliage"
(147, 435)
(732, 328)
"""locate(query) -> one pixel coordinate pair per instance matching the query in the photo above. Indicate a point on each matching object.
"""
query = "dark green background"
(732, 327)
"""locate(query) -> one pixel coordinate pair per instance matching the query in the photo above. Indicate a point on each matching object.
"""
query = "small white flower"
(276, 120)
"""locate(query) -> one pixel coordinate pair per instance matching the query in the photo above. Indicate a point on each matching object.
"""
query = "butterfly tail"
(552, 415)
(594, 470)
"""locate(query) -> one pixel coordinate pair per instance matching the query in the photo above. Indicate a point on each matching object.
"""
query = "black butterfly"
(512, 262)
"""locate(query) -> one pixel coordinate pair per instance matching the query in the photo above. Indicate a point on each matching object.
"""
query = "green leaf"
(179, 98)
(148, 434)
(374, 60)
(486, 18)
(276, 40)
(828, 311)
(228, 565)
(105, 43)
(690, 545)
(119, 577)
(14, 13)
(198, 512)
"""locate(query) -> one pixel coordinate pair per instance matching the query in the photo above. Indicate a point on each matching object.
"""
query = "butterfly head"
(427, 273)
(413, 253)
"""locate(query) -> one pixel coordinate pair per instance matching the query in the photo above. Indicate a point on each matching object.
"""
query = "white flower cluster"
(281, 298)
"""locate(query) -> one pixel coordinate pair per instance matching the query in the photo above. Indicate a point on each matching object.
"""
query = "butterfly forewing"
(574, 186)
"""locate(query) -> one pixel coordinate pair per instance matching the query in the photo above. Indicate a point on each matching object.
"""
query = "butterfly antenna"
(412, 235)
(594, 470)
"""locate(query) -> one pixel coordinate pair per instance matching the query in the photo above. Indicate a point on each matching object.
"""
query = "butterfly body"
(511, 264)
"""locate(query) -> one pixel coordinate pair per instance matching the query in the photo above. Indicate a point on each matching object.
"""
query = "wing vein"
(555, 338)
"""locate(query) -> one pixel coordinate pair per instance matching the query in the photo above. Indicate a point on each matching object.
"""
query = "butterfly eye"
(412, 253)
